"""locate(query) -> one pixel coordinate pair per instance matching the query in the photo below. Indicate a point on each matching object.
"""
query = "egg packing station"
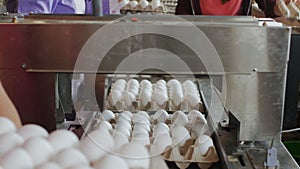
(238, 65)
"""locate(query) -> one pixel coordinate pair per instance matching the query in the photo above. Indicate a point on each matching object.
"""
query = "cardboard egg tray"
(290, 10)
(181, 156)
(190, 153)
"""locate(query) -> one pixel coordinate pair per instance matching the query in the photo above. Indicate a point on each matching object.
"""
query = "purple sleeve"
(88, 6)
(268, 7)
(36, 6)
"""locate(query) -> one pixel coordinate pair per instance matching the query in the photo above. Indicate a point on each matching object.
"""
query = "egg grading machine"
(240, 66)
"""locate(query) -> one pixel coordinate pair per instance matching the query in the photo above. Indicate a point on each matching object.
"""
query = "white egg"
(173, 82)
(160, 131)
(70, 157)
(111, 162)
(134, 91)
(161, 128)
(123, 124)
(162, 141)
(188, 83)
(198, 125)
(104, 125)
(97, 144)
(135, 155)
(32, 130)
(160, 98)
(145, 98)
(120, 140)
(39, 149)
(141, 138)
(125, 116)
(133, 82)
(115, 96)
(193, 114)
(139, 131)
(160, 87)
(6, 125)
(18, 158)
(123, 131)
(192, 99)
(161, 115)
(204, 142)
(121, 81)
(141, 119)
(143, 113)
(145, 82)
(181, 119)
(61, 139)
(180, 135)
(121, 88)
(128, 113)
(177, 97)
(49, 165)
(9, 141)
(108, 115)
(81, 167)
(129, 98)
(161, 81)
(142, 126)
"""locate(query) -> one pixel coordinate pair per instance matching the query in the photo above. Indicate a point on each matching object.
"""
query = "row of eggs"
(142, 4)
(173, 90)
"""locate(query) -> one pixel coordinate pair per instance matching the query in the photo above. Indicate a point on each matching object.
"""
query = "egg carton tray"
(290, 10)
(190, 153)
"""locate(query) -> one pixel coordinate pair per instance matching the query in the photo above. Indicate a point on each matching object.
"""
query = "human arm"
(7, 109)
(36, 6)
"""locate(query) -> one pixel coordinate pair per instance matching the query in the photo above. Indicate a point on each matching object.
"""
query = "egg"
(121, 88)
(111, 162)
(32, 130)
(129, 98)
(192, 99)
(120, 81)
(172, 82)
(133, 82)
(181, 119)
(70, 157)
(141, 138)
(96, 144)
(135, 155)
(188, 83)
(39, 149)
(108, 115)
(49, 165)
(81, 167)
(145, 82)
(104, 125)
(9, 141)
(179, 136)
(125, 116)
(161, 142)
(140, 119)
(161, 115)
(145, 98)
(198, 125)
(161, 81)
(114, 97)
(61, 139)
(123, 124)
(139, 131)
(160, 128)
(128, 113)
(6, 125)
(120, 130)
(193, 114)
(142, 126)
(17, 158)
(204, 142)
(177, 97)
(120, 140)
(159, 97)
(143, 113)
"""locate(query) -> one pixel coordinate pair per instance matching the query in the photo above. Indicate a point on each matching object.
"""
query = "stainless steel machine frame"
(35, 52)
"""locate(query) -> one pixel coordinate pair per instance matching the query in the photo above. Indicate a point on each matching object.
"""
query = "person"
(50, 6)
(226, 7)
(7, 109)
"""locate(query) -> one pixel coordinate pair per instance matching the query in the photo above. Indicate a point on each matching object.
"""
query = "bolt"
(24, 66)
